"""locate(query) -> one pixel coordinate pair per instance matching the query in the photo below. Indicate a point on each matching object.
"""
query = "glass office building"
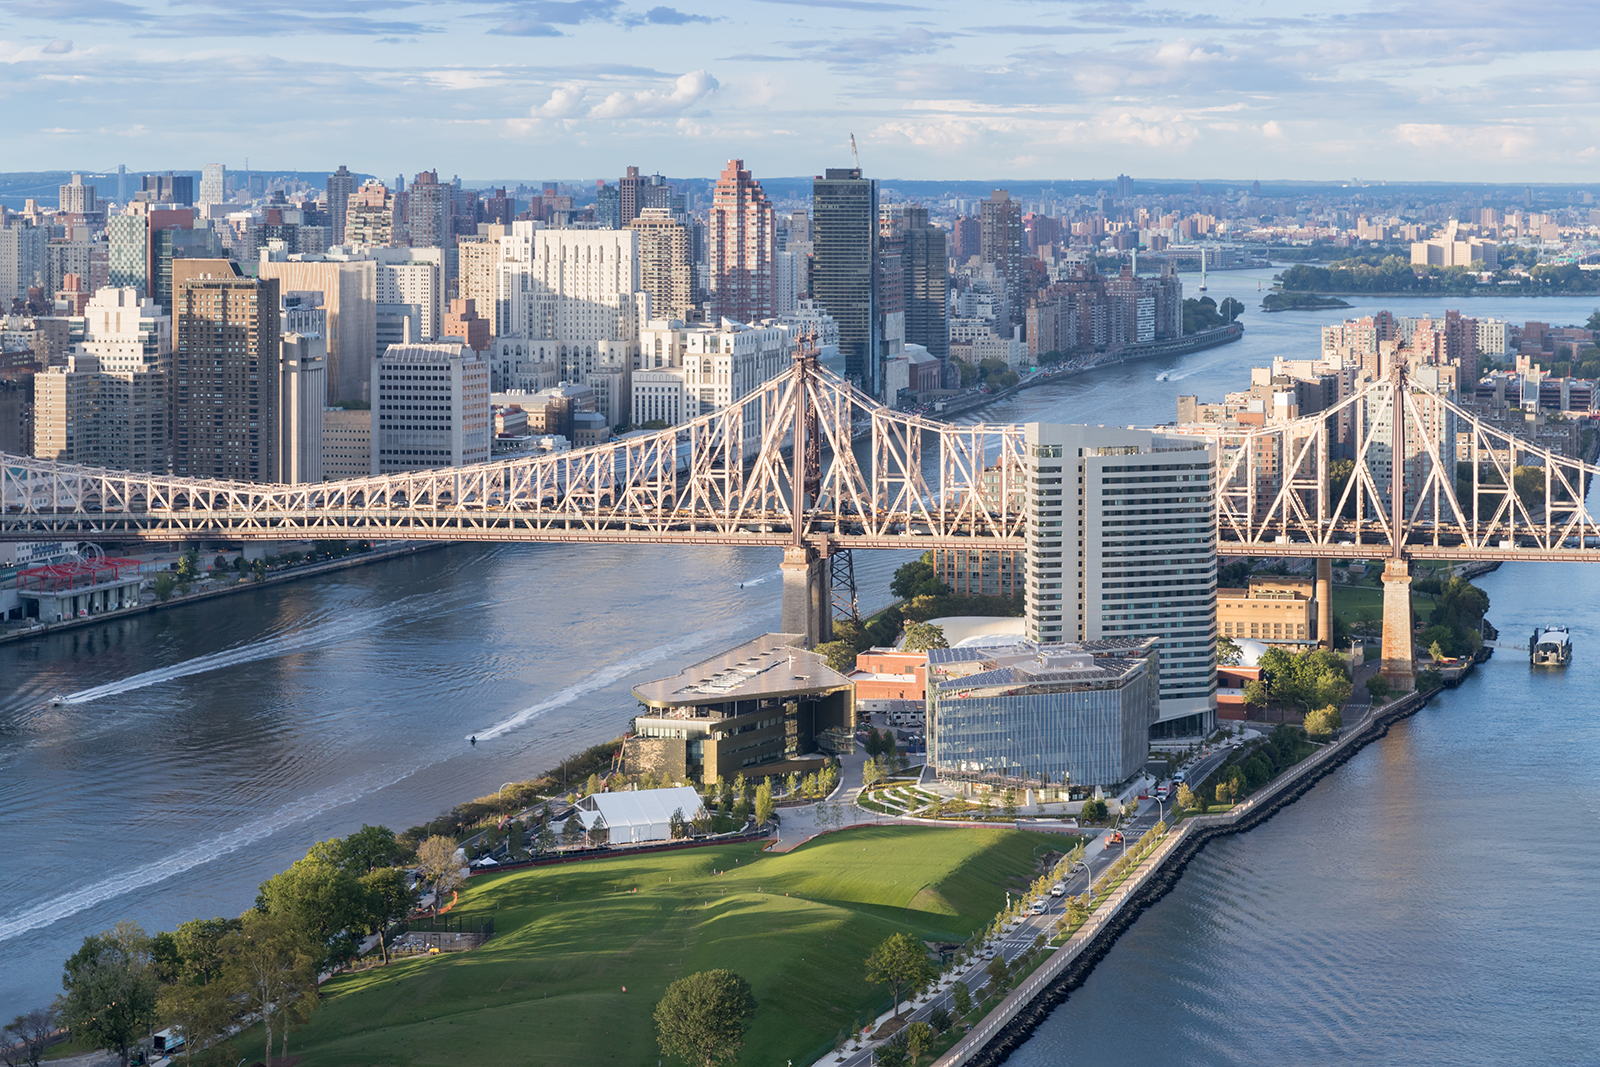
(844, 270)
(1039, 715)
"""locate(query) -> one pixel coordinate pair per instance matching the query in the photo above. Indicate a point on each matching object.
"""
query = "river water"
(206, 747)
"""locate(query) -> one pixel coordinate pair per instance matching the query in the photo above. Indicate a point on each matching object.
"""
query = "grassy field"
(548, 987)
(1349, 601)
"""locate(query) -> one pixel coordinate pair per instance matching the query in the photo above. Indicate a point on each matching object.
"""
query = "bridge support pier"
(807, 605)
(1324, 594)
(1398, 663)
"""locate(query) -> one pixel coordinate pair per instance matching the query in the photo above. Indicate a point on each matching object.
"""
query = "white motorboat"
(1550, 646)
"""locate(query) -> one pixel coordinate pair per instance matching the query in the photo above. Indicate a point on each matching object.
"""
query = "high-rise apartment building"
(690, 370)
(373, 218)
(1124, 187)
(428, 211)
(844, 235)
(740, 242)
(76, 198)
(666, 263)
(225, 369)
(630, 196)
(463, 323)
(213, 184)
(24, 257)
(107, 405)
(1001, 223)
(574, 298)
(430, 408)
(171, 243)
(1122, 543)
(341, 183)
(412, 276)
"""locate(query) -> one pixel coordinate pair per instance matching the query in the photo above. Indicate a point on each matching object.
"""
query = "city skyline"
(1034, 89)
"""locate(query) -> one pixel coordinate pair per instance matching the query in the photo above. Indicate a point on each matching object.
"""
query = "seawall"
(992, 1040)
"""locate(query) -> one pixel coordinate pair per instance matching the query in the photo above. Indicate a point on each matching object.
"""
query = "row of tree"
(210, 978)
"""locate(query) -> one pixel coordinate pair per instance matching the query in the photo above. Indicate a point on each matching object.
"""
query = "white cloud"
(686, 92)
(565, 100)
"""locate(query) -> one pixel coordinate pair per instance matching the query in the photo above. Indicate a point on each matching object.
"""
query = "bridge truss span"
(863, 476)
(1327, 485)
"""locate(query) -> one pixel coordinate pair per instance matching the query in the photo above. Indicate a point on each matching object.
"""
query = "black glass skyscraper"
(845, 269)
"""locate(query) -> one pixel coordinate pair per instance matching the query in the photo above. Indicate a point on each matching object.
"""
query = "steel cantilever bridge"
(812, 465)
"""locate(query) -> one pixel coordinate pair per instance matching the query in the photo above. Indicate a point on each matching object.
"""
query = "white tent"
(641, 814)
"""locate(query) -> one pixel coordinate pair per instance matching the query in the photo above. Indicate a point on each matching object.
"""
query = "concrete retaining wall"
(1014, 1019)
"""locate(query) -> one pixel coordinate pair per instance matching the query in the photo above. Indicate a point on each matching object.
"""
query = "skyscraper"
(428, 211)
(1121, 543)
(927, 276)
(76, 198)
(666, 263)
(1001, 221)
(740, 234)
(844, 234)
(225, 368)
(341, 183)
(213, 184)
(371, 217)
(630, 196)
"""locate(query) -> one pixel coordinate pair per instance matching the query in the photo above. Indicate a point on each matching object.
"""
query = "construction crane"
(853, 153)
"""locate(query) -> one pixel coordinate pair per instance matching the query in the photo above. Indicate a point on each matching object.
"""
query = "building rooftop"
(769, 666)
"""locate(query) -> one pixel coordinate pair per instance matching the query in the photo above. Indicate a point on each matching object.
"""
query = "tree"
(900, 962)
(961, 998)
(164, 585)
(1186, 798)
(369, 849)
(841, 655)
(917, 578)
(701, 1018)
(939, 1019)
(921, 636)
(997, 971)
(32, 1031)
(1229, 654)
(258, 570)
(1256, 693)
(439, 867)
(271, 970)
(919, 1038)
(545, 839)
(203, 1014)
(765, 806)
(892, 1053)
(389, 898)
(1230, 309)
(1378, 687)
(677, 826)
(1008, 803)
(188, 566)
(1323, 721)
(110, 998)
(319, 898)
(1094, 810)
(572, 831)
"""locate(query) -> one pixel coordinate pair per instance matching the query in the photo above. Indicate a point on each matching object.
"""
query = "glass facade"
(844, 272)
(1075, 735)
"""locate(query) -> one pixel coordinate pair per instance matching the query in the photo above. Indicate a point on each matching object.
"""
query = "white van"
(1179, 778)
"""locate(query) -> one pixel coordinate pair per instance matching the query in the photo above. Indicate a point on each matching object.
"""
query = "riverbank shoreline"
(406, 548)
(1196, 342)
(1015, 1019)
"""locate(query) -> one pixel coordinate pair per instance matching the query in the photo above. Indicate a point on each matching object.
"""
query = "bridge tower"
(807, 603)
(1398, 657)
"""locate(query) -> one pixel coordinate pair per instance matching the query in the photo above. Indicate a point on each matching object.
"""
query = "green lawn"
(548, 987)
(1349, 601)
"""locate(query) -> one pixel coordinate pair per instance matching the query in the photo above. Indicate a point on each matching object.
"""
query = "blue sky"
(1475, 90)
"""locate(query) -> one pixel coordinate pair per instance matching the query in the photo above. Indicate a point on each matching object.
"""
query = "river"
(206, 747)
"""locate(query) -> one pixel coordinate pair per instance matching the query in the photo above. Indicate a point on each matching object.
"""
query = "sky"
(1474, 90)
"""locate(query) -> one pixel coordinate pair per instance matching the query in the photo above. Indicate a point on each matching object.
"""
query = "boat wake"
(609, 674)
(322, 633)
(186, 859)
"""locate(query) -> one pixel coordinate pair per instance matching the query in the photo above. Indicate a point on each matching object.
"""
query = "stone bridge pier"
(807, 606)
(1398, 662)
